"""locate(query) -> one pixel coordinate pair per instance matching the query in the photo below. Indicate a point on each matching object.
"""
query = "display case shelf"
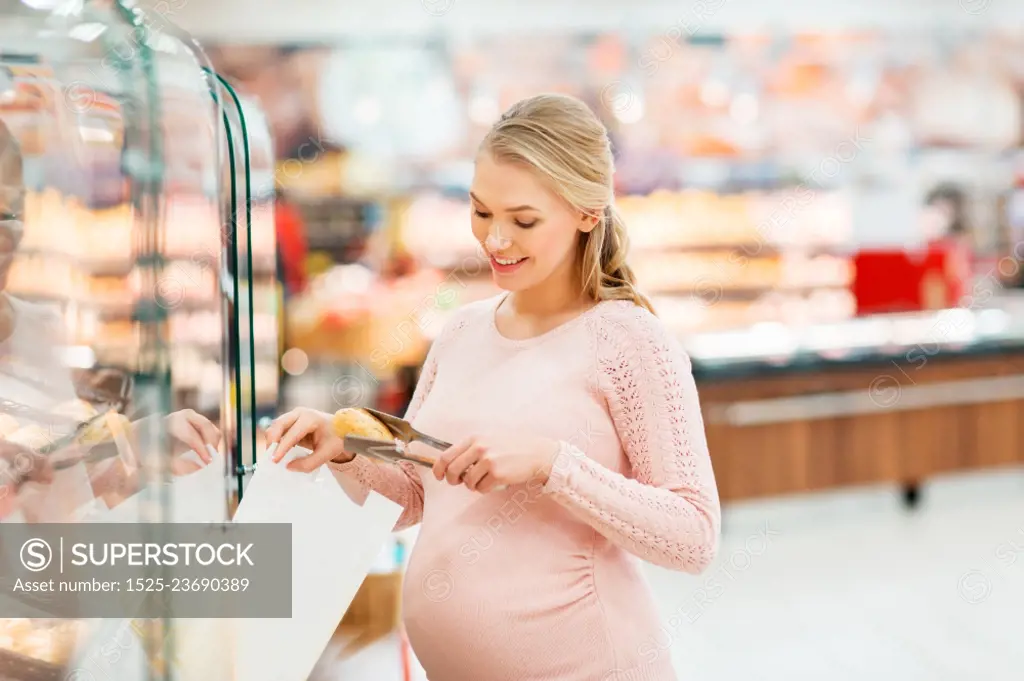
(139, 250)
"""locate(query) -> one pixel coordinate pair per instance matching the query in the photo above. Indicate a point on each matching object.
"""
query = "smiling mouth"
(507, 261)
(502, 266)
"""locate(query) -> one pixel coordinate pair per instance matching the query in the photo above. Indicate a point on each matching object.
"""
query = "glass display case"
(138, 307)
(881, 341)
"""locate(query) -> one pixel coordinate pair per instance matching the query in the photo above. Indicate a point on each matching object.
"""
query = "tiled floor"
(842, 587)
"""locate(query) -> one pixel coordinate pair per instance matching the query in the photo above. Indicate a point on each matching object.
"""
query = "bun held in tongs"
(359, 422)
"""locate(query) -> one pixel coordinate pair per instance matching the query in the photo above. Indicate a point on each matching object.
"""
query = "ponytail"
(605, 272)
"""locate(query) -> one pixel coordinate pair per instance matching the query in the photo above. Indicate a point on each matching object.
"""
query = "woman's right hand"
(19, 465)
(310, 429)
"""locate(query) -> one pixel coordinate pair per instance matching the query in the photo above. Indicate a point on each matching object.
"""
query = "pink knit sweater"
(539, 582)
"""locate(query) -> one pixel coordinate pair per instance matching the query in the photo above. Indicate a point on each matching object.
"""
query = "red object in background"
(907, 281)
(292, 246)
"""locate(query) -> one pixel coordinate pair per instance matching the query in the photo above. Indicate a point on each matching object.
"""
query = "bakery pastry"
(40, 639)
(351, 421)
(8, 425)
(32, 437)
(106, 429)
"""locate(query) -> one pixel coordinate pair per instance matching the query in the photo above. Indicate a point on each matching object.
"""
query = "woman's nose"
(496, 241)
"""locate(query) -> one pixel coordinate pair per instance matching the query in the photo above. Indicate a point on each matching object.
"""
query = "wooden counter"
(898, 422)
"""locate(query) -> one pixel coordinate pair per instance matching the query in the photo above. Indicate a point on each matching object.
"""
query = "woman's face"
(528, 231)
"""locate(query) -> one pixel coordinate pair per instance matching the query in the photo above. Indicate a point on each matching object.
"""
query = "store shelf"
(111, 310)
(105, 267)
(714, 292)
(750, 249)
(903, 342)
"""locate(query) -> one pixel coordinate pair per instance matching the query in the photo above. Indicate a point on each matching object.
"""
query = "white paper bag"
(198, 497)
(334, 543)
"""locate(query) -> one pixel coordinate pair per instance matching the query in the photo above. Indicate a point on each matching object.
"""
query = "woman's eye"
(481, 214)
(526, 225)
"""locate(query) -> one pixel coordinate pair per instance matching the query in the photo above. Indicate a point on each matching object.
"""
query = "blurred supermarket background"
(826, 203)
(779, 184)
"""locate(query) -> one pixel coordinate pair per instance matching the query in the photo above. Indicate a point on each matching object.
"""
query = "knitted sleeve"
(666, 511)
(401, 482)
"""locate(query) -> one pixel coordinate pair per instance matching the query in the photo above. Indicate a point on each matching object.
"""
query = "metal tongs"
(393, 450)
(73, 437)
(94, 455)
(99, 452)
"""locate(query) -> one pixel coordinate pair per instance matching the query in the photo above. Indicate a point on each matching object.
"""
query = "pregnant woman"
(579, 438)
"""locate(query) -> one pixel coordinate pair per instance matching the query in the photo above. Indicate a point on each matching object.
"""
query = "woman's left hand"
(195, 431)
(486, 463)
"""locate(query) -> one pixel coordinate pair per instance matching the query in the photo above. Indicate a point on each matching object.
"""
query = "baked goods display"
(436, 230)
(91, 216)
(738, 161)
(49, 641)
(80, 258)
(353, 314)
(712, 260)
(33, 436)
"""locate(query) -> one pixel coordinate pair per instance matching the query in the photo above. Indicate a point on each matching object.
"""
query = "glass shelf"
(136, 263)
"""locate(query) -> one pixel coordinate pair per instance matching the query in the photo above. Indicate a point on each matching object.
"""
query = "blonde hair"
(561, 139)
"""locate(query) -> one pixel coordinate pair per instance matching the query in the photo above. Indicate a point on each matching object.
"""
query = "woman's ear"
(589, 222)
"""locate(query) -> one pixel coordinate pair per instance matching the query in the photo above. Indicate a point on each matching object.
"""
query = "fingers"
(423, 452)
(449, 455)
(280, 425)
(21, 464)
(302, 427)
(459, 467)
(181, 467)
(476, 474)
(195, 438)
(39, 468)
(188, 433)
(42, 470)
(308, 464)
(488, 483)
(210, 433)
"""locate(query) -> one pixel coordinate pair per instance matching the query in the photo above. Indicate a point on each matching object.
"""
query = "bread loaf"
(351, 421)
(106, 429)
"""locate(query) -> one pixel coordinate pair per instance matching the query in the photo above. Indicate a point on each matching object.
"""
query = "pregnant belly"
(502, 618)
(538, 601)
(499, 592)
